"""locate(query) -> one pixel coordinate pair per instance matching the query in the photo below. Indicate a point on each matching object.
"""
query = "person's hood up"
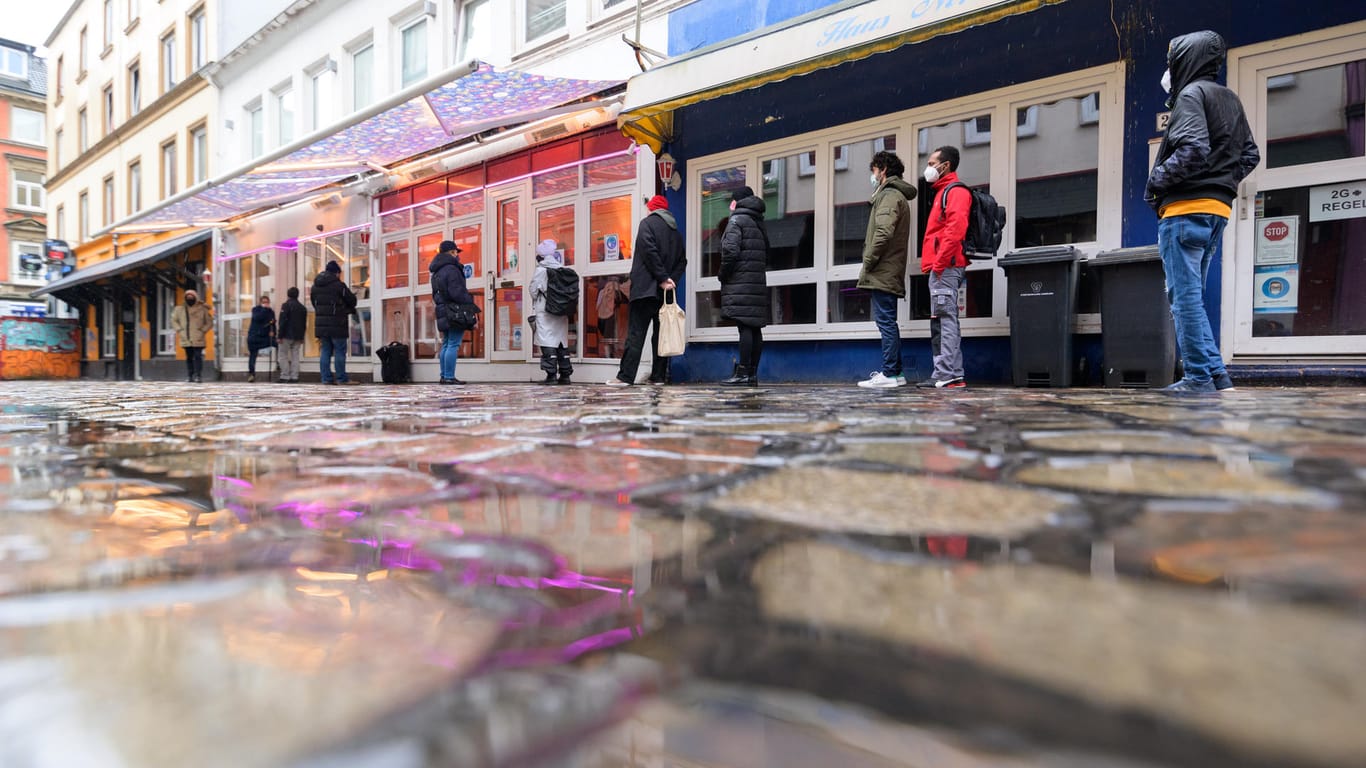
(667, 217)
(1196, 56)
(443, 259)
(752, 205)
(899, 184)
(325, 278)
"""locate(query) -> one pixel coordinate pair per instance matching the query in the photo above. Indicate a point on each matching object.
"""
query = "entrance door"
(555, 221)
(506, 268)
(468, 234)
(1299, 233)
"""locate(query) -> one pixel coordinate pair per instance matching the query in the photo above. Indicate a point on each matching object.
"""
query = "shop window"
(509, 235)
(716, 188)
(468, 204)
(974, 295)
(556, 182)
(430, 213)
(790, 202)
(427, 339)
(246, 290)
(1316, 115)
(852, 200)
(508, 320)
(396, 263)
(609, 226)
(792, 304)
(609, 170)
(606, 304)
(1056, 195)
(393, 223)
(427, 246)
(397, 320)
(848, 303)
(706, 309)
(557, 224)
(231, 287)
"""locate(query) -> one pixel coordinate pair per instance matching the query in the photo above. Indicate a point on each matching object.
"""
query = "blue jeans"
(450, 351)
(330, 351)
(1187, 244)
(884, 316)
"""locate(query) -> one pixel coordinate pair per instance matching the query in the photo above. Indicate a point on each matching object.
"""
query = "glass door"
(506, 269)
(468, 233)
(1299, 229)
(555, 221)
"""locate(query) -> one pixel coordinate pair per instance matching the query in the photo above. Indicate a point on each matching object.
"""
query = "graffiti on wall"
(39, 348)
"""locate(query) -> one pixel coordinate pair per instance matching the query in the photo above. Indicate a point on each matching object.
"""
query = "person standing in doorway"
(260, 334)
(551, 332)
(943, 259)
(885, 247)
(453, 304)
(744, 282)
(1207, 150)
(333, 305)
(293, 323)
(657, 267)
(192, 322)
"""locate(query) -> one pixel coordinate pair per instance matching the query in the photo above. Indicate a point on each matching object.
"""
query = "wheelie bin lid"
(1040, 254)
(1135, 255)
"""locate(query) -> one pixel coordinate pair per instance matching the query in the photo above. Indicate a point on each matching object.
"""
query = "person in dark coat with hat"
(744, 282)
(448, 293)
(260, 334)
(333, 305)
(656, 267)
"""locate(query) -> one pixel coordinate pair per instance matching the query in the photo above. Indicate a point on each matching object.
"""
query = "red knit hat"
(657, 202)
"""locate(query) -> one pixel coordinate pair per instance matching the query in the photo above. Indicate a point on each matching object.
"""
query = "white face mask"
(732, 205)
(873, 179)
(1167, 81)
(931, 174)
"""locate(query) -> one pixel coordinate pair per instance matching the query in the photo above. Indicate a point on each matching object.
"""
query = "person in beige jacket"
(192, 322)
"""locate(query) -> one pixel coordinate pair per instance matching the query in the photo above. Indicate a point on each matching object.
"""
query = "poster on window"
(1278, 241)
(1276, 289)
(1332, 202)
(611, 245)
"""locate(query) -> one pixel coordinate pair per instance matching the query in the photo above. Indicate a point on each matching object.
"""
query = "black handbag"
(463, 316)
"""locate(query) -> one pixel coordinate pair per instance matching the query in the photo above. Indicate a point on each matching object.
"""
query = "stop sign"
(1276, 230)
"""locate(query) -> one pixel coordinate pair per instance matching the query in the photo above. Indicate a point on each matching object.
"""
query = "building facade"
(1057, 109)
(23, 172)
(131, 119)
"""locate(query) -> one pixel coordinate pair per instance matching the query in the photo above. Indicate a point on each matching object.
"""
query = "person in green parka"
(885, 248)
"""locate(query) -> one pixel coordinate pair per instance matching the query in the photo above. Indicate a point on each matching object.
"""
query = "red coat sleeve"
(949, 248)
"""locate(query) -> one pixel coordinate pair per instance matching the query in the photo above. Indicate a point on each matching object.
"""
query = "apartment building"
(130, 116)
(23, 171)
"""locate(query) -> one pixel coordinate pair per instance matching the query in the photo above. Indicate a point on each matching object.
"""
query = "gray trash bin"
(1138, 340)
(1040, 295)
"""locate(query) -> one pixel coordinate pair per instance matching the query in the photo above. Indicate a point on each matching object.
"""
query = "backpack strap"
(944, 199)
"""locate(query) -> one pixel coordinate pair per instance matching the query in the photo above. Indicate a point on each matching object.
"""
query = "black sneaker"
(563, 380)
(932, 383)
(1223, 381)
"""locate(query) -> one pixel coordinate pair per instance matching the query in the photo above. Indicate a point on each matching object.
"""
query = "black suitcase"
(394, 367)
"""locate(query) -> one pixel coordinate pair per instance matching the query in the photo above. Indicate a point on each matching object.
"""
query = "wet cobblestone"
(270, 575)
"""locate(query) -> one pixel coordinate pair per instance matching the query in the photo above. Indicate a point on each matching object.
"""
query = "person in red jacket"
(943, 260)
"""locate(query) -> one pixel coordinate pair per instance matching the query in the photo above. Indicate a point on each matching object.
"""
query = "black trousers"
(194, 361)
(644, 313)
(252, 352)
(751, 347)
(555, 361)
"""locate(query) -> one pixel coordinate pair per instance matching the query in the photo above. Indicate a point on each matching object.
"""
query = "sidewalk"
(267, 574)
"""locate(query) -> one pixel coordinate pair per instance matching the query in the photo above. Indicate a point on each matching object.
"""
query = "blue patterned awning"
(479, 101)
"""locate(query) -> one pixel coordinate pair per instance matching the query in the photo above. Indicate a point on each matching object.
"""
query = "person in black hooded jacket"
(333, 305)
(260, 334)
(656, 267)
(744, 282)
(1207, 150)
(449, 292)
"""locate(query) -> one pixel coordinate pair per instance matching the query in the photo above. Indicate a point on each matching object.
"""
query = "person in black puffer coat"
(448, 292)
(333, 305)
(744, 282)
(260, 334)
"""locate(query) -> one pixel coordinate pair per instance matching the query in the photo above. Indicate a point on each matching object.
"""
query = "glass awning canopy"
(458, 103)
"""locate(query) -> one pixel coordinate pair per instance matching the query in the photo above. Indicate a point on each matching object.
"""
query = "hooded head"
(333, 267)
(657, 203)
(1192, 57)
(548, 253)
(191, 297)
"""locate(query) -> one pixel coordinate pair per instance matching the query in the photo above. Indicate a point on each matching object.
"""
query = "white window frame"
(462, 42)
(134, 12)
(1108, 80)
(83, 203)
(83, 128)
(134, 88)
(37, 198)
(17, 275)
(38, 140)
(198, 145)
(256, 129)
(197, 28)
(282, 97)
(135, 186)
(364, 47)
(600, 11)
(166, 300)
(167, 51)
(321, 82)
(170, 172)
(401, 31)
(109, 333)
(108, 212)
(523, 18)
(108, 24)
(19, 73)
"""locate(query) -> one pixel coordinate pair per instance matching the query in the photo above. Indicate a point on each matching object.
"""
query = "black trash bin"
(1041, 293)
(1138, 340)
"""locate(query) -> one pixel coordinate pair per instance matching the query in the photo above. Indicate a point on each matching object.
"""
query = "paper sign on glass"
(1278, 241)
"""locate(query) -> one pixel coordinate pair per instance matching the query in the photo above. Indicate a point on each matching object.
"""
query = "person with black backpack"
(554, 297)
(945, 260)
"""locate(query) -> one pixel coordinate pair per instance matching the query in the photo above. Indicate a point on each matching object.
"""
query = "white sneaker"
(880, 381)
(615, 382)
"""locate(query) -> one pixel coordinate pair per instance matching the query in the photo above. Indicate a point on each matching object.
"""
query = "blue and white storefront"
(1056, 106)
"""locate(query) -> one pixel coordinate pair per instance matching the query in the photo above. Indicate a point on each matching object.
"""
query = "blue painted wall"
(1055, 40)
(707, 22)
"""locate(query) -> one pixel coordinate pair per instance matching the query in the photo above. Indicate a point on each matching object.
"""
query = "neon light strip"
(577, 163)
(341, 231)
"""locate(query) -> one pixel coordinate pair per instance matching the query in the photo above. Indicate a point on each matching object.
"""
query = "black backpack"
(986, 223)
(394, 367)
(561, 291)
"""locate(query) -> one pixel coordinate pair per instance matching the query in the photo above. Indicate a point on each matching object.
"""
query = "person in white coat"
(551, 331)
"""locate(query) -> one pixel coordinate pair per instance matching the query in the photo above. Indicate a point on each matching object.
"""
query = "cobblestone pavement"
(297, 575)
